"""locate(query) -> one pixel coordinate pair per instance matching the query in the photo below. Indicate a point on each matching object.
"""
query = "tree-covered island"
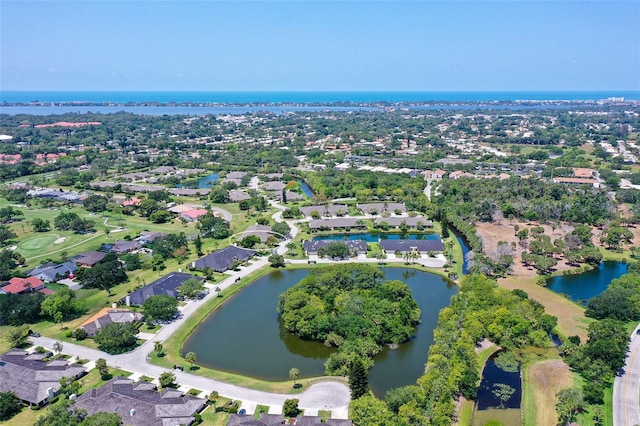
(352, 307)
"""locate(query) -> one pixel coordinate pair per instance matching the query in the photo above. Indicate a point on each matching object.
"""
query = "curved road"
(626, 387)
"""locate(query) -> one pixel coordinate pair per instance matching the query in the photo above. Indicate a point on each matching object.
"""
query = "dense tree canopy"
(349, 306)
(116, 338)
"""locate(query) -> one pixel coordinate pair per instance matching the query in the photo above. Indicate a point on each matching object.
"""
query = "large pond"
(244, 336)
(373, 237)
(581, 287)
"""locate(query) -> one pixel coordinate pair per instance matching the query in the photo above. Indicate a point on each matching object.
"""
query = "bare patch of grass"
(542, 380)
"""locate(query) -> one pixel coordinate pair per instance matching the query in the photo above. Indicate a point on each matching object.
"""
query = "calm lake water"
(306, 189)
(492, 375)
(244, 336)
(588, 284)
(208, 181)
(373, 238)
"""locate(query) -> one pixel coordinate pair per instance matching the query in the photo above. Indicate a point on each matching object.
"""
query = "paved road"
(626, 388)
(328, 395)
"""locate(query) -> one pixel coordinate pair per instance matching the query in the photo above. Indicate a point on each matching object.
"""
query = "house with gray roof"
(355, 246)
(140, 404)
(273, 176)
(124, 246)
(120, 316)
(396, 222)
(187, 192)
(236, 175)
(338, 223)
(52, 272)
(236, 196)
(147, 237)
(32, 379)
(222, 260)
(88, 259)
(419, 246)
(273, 186)
(279, 419)
(330, 210)
(291, 196)
(379, 208)
(167, 284)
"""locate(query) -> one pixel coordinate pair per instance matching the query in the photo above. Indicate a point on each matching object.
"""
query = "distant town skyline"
(319, 46)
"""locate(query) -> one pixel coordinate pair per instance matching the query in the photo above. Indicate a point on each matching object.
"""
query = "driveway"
(626, 387)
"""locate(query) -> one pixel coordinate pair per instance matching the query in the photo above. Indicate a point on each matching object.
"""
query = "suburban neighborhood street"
(626, 387)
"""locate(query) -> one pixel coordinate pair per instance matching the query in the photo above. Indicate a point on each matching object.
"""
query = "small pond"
(207, 181)
(306, 188)
(373, 237)
(244, 336)
(581, 287)
(493, 375)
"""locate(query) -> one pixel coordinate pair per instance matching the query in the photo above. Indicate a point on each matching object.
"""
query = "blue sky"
(320, 46)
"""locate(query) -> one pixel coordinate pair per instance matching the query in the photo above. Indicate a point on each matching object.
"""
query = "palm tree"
(406, 256)
(157, 347)
(57, 347)
(191, 358)
(213, 398)
(294, 373)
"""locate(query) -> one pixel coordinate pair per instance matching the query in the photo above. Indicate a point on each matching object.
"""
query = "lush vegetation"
(480, 310)
(349, 306)
(620, 301)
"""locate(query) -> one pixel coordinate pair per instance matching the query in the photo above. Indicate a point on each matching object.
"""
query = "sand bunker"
(60, 240)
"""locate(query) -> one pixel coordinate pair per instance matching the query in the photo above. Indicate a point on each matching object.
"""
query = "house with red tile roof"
(22, 285)
(193, 215)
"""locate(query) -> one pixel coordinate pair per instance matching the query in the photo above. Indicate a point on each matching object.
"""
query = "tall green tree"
(358, 381)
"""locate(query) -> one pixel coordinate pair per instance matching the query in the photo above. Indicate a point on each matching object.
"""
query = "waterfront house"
(167, 285)
(222, 260)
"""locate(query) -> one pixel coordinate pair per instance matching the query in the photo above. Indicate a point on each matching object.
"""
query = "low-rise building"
(167, 285)
(109, 316)
(357, 247)
(222, 260)
(338, 223)
(32, 379)
(88, 259)
(140, 404)
(18, 285)
(330, 210)
(410, 222)
(52, 272)
(415, 246)
(379, 208)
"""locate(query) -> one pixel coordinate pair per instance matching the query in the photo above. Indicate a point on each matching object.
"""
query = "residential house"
(577, 181)
(330, 210)
(396, 222)
(32, 379)
(236, 175)
(18, 285)
(338, 223)
(222, 260)
(188, 192)
(52, 272)
(416, 246)
(89, 259)
(236, 196)
(273, 186)
(279, 419)
(147, 237)
(379, 208)
(291, 196)
(140, 404)
(434, 174)
(193, 215)
(108, 316)
(124, 246)
(312, 247)
(167, 285)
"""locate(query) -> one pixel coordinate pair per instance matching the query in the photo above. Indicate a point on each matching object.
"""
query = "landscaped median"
(173, 345)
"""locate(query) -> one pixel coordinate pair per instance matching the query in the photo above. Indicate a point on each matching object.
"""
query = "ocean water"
(302, 97)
